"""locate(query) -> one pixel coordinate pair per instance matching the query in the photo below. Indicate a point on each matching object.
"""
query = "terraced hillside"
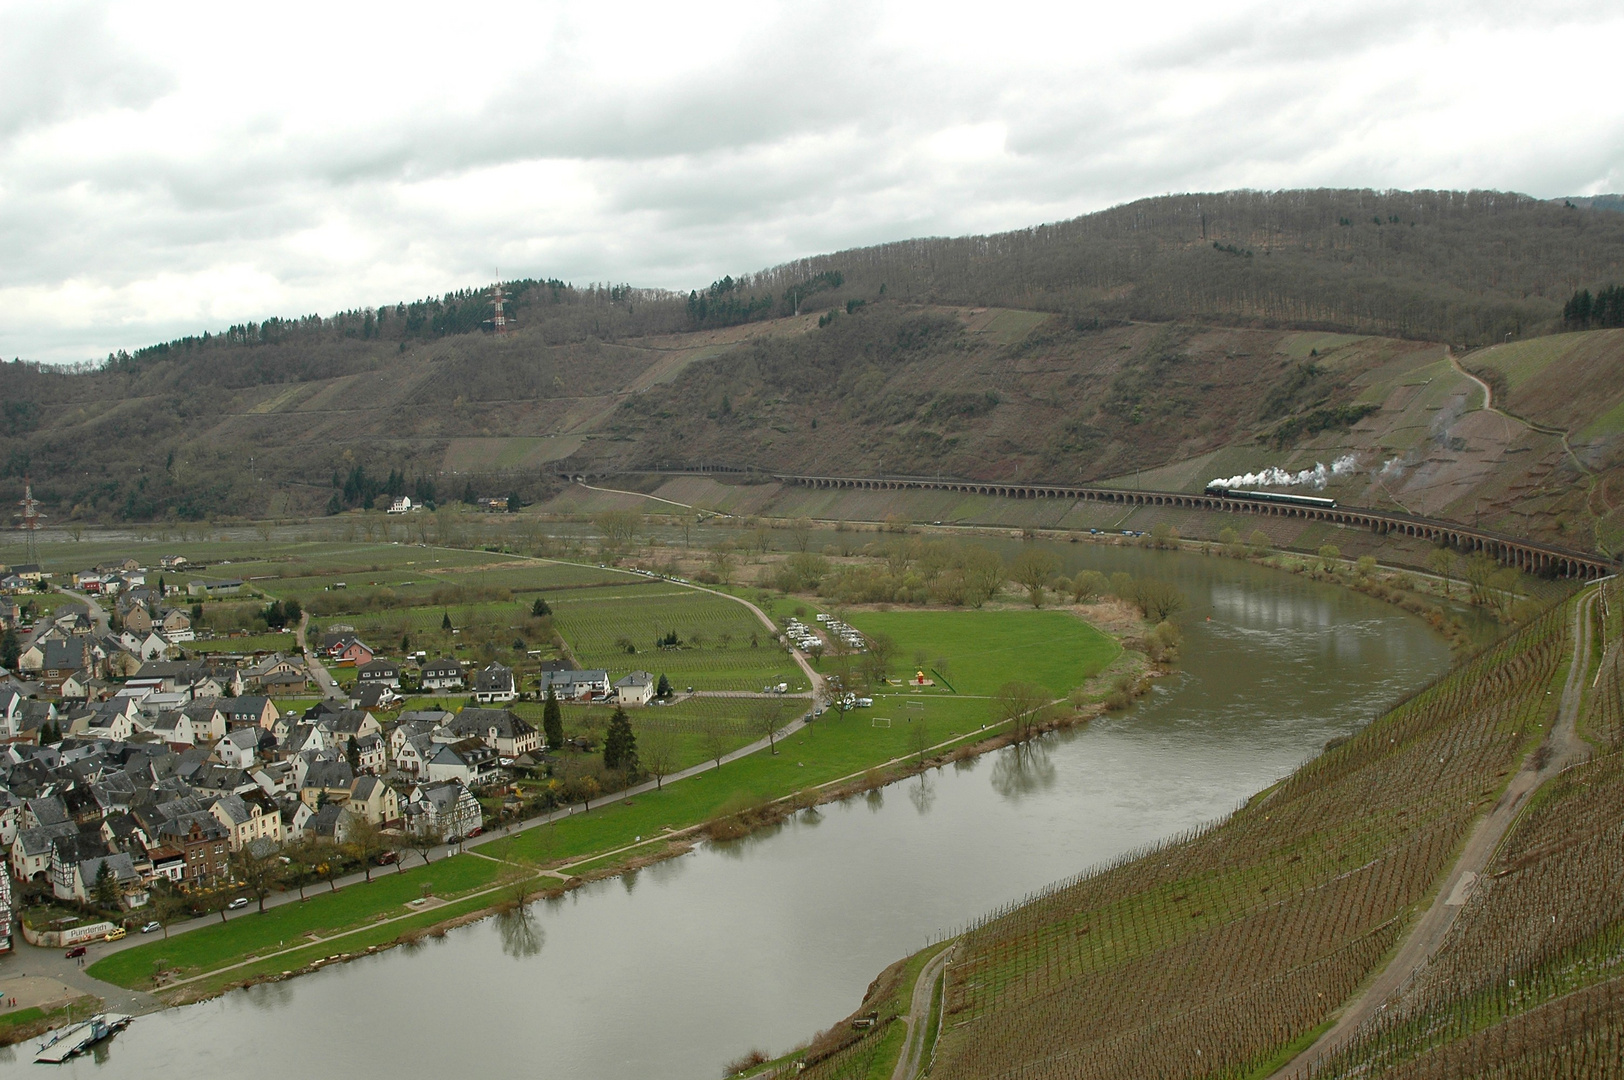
(1224, 953)
(1162, 343)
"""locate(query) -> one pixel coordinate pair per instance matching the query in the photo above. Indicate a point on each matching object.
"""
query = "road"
(324, 680)
(914, 1051)
(1562, 748)
(331, 688)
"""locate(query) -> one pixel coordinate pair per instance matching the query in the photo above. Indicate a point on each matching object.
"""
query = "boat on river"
(65, 1042)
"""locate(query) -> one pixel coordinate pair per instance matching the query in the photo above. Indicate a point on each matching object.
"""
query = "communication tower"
(499, 322)
(30, 516)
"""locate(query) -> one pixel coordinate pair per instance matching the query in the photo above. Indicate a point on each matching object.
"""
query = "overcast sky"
(171, 168)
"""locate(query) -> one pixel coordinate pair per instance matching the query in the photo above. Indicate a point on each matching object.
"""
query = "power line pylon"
(30, 516)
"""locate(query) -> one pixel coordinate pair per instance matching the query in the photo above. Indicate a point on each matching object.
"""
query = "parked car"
(76, 952)
(114, 934)
(388, 858)
(151, 926)
(240, 902)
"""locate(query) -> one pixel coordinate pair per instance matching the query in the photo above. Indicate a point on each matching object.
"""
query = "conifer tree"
(620, 744)
(552, 721)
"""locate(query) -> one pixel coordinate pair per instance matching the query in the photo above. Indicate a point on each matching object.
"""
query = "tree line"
(1604, 310)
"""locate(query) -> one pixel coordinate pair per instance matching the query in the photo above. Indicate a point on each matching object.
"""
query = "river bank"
(672, 969)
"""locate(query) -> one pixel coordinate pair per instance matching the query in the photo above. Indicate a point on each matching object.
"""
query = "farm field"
(985, 649)
(722, 646)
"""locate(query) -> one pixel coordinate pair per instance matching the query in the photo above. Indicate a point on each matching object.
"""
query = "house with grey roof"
(503, 730)
(442, 674)
(570, 685)
(495, 683)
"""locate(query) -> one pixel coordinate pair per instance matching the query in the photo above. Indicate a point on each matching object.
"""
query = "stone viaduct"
(1527, 555)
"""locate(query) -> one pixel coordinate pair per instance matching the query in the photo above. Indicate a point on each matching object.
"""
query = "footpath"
(1561, 749)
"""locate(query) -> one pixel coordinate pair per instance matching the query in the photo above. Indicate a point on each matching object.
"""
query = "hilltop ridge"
(1164, 338)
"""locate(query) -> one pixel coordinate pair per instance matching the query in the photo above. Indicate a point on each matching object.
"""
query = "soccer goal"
(880, 721)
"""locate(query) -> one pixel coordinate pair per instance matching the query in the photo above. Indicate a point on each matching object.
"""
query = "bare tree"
(919, 739)
(1019, 704)
(1159, 600)
(618, 526)
(425, 841)
(258, 869)
(1441, 561)
(364, 839)
(1032, 570)
(983, 574)
(713, 737)
(657, 753)
(765, 720)
(167, 905)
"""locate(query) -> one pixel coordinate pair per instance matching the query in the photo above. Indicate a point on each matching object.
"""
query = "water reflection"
(521, 932)
(922, 793)
(669, 975)
(268, 997)
(1024, 769)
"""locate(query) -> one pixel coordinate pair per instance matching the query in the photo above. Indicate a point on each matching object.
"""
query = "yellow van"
(114, 934)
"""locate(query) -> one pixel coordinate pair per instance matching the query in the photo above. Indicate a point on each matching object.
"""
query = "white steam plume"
(1278, 477)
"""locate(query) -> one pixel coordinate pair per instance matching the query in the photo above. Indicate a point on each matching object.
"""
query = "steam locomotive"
(1271, 497)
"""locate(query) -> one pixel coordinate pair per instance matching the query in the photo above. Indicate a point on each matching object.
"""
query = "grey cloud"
(58, 61)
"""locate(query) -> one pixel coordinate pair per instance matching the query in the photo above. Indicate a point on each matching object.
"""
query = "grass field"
(723, 646)
(985, 649)
(324, 913)
(828, 749)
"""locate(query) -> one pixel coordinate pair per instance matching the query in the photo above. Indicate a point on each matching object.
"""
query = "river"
(673, 971)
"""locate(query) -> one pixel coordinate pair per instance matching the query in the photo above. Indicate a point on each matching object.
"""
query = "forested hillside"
(1159, 332)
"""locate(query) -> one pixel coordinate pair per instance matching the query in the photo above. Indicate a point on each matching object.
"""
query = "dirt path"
(1490, 406)
(1562, 747)
(640, 495)
(914, 1051)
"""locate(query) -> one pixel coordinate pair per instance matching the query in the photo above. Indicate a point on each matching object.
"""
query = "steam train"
(1271, 497)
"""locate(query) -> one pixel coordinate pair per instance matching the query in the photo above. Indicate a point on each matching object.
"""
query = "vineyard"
(1208, 955)
(1530, 981)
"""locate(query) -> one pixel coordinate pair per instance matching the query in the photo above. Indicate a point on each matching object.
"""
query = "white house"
(449, 808)
(239, 748)
(502, 730)
(495, 684)
(469, 761)
(635, 689)
(443, 674)
(401, 505)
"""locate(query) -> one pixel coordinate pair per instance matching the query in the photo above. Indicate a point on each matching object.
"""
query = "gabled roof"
(347, 722)
(477, 723)
(496, 677)
(329, 775)
(118, 864)
(39, 841)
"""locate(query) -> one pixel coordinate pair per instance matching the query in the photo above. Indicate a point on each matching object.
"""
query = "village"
(142, 783)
